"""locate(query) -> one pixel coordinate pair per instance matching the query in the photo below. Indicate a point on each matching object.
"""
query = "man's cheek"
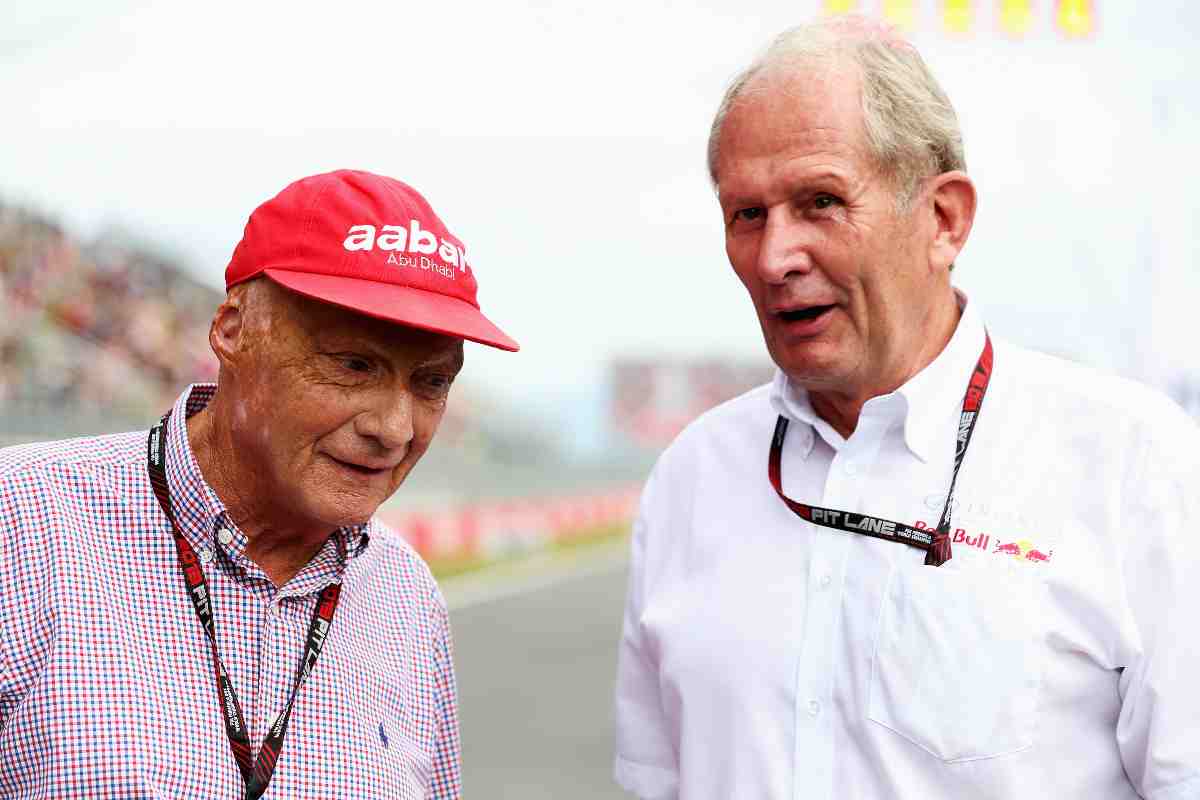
(416, 449)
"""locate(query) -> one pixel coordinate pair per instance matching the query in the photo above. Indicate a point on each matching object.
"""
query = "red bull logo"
(960, 536)
(1023, 550)
(1020, 549)
(979, 540)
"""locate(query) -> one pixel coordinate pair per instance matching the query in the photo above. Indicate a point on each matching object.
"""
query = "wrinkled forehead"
(324, 324)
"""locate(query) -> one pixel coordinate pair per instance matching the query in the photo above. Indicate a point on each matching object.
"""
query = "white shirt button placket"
(814, 755)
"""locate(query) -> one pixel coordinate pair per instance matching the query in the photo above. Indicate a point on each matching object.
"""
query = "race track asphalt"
(535, 679)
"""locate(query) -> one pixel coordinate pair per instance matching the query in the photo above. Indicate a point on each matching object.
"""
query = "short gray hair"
(910, 126)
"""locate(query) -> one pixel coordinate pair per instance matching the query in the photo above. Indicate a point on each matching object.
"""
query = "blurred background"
(564, 143)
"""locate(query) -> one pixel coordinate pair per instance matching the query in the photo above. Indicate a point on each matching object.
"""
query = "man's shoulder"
(396, 558)
(1089, 399)
(52, 462)
(49, 491)
(735, 418)
(725, 435)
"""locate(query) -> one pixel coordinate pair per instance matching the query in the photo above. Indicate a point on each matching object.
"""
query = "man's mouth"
(804, 314)
(359, 468)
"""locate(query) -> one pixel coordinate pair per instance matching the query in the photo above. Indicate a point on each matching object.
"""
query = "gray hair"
(910, 126)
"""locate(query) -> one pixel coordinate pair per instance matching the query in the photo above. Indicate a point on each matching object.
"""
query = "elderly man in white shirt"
(821, 605)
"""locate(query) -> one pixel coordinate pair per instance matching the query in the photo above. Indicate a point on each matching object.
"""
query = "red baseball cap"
(370, 244)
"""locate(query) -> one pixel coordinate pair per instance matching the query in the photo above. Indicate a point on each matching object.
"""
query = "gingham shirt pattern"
(106, 680)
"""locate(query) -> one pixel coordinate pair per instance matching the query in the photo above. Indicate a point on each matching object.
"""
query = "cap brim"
(403, 304)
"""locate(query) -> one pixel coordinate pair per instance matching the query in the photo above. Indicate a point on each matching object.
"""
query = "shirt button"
(825, 581)
(814, 708)
(850, 468)
(224, 536)
(205, 555)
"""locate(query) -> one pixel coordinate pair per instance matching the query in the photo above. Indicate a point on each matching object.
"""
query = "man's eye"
(355, 364)
(435, 385)
(439, 382)
(823, 201)
(749, 214)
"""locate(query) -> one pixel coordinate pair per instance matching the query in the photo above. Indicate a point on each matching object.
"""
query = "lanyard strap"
(256, 773)
(935, 543)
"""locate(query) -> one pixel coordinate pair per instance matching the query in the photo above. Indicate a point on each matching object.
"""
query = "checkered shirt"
(106, 678)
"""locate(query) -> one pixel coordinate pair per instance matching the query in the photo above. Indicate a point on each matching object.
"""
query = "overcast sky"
(564, 143)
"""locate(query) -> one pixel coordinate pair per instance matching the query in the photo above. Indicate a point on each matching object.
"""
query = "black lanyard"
(256, 773)
(935, 543)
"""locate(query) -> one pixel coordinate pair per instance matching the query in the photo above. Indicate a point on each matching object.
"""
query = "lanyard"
(256, 773)
(935, 543)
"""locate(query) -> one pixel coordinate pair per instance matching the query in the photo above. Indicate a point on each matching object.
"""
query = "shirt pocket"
(407, 765)
(957, 665)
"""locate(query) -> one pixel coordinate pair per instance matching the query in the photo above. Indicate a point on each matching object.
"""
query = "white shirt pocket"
(957, 667)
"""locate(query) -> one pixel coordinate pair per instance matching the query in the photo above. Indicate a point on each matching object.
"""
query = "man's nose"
(784, 249)
(390, 421)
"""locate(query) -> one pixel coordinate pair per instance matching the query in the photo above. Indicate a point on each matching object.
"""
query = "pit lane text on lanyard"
(256, 773)
(936, 543)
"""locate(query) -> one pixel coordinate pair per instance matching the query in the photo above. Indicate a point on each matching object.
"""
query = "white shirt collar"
(926, 400)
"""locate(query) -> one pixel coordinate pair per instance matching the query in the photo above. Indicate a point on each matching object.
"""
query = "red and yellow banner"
(901, 13)
(835, 7)
(957, 16)
(1016, 19)
(1075, 19)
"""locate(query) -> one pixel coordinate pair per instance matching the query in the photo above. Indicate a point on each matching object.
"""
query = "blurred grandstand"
(94, 338)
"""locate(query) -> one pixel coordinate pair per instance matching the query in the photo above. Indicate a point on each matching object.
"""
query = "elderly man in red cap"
(210, 610)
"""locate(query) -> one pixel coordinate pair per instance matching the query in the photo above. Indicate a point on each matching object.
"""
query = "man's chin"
(811, 365)
(339, 499)
(327, 524)
(339, 510)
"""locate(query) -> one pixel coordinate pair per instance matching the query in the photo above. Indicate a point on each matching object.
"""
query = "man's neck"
(842, 409)
(280, 550)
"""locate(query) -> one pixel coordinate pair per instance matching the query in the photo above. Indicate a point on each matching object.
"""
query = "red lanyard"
(936, 543)
(256, 773)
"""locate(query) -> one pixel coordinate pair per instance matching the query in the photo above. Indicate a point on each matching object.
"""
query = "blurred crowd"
(92, 335)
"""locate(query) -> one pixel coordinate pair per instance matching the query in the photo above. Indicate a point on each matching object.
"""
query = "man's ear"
(953, 197)
(228, 329)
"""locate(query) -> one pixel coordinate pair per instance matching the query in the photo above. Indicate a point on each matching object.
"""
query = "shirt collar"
(198, 509)
(929, 398)
(934, 395)
(791, 401)
(196, 505)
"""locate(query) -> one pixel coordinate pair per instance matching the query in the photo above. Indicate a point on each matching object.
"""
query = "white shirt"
(764, 657)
